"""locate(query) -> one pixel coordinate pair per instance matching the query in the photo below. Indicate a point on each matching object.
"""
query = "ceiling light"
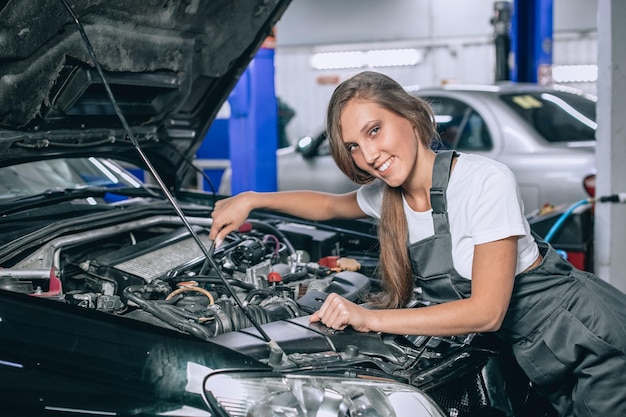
(575, 73)
(392, 57)
(338, 60)
(372, 58)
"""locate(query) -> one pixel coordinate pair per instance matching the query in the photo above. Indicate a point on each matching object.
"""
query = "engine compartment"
(152, 269)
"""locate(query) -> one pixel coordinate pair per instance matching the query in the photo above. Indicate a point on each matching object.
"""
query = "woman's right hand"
(228, 215)
(232, 212)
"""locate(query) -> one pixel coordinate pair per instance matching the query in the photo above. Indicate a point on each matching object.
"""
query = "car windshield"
(33, 178)
(558, 116)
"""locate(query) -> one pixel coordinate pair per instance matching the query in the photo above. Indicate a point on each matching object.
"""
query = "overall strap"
(441, 176)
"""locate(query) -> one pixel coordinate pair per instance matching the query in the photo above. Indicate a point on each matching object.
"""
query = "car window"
(475, 135)
(557, 116)
(35, 177)
(460, 126)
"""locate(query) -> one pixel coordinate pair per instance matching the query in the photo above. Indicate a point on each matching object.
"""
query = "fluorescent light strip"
(372, 58)
(393, 57)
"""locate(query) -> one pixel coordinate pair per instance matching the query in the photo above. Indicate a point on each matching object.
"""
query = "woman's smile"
(384, 166)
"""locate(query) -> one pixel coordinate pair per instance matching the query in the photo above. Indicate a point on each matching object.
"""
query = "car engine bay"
(151, 269)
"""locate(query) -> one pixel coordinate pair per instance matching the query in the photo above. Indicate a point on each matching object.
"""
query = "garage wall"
(308, 90)
(455, 39)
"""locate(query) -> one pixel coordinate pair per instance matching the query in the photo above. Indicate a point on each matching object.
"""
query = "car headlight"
(260, 395)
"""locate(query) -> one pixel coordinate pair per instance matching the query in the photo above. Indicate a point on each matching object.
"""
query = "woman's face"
(381, 143)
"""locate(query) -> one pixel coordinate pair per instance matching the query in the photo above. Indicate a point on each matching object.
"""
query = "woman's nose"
(370, 152)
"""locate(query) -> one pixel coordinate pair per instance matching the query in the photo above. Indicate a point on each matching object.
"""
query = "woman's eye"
(374, 131)
(351, 147)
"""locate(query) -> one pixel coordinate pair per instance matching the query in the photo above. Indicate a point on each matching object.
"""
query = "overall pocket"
(438, 288)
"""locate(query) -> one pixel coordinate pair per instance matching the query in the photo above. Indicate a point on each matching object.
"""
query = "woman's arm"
(232, 212)
(493, 275)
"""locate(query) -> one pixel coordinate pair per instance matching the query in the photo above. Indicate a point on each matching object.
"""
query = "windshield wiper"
(58, 195)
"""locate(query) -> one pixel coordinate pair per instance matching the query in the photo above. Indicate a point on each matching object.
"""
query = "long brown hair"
(392, 229)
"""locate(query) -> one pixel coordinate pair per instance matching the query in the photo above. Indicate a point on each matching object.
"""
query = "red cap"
(274, 277)
(329, 261)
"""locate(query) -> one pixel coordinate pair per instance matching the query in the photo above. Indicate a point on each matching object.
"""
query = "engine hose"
(276, 232)
(162, 313)
(297, 275)
(233, 319)
(238, 320)
(186, 289)
(179, 312)
(183, 325)
(216, 281)
(266, 292)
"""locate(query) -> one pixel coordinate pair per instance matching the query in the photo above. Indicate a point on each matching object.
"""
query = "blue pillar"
(531, 41)
(253, 127)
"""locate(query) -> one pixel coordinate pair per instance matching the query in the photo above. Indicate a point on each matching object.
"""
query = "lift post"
(253, 127)
(531, 41)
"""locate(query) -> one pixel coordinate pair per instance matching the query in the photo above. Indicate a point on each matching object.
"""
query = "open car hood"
(170, 66)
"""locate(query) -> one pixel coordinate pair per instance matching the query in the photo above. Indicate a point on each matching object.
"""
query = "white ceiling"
(327, 22)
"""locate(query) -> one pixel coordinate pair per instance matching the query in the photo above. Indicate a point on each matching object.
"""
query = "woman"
(470, 250)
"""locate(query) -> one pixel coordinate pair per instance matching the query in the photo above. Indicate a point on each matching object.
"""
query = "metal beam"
(610, 219)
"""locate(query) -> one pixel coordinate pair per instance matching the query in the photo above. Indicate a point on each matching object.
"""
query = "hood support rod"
(276, 353)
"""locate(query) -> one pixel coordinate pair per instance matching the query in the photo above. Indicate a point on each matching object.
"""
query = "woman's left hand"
(338, 313)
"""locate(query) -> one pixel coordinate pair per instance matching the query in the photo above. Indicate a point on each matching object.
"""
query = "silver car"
(546, 135)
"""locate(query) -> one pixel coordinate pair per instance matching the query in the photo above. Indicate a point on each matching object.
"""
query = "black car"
(112, 299)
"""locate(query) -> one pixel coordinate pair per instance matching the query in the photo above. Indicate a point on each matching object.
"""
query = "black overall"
(567, 327)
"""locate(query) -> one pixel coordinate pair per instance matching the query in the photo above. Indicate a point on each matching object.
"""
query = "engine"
(154, 270)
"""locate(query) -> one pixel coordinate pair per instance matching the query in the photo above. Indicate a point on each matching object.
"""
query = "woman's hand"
(228, 215)
(338, 313)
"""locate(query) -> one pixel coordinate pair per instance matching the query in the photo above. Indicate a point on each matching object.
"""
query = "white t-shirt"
(484, 205)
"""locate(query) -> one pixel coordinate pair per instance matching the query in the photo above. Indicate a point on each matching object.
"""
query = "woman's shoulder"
(478, 178)
(375, 187)
(480, 162)
(472, 166)
(370, 197)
